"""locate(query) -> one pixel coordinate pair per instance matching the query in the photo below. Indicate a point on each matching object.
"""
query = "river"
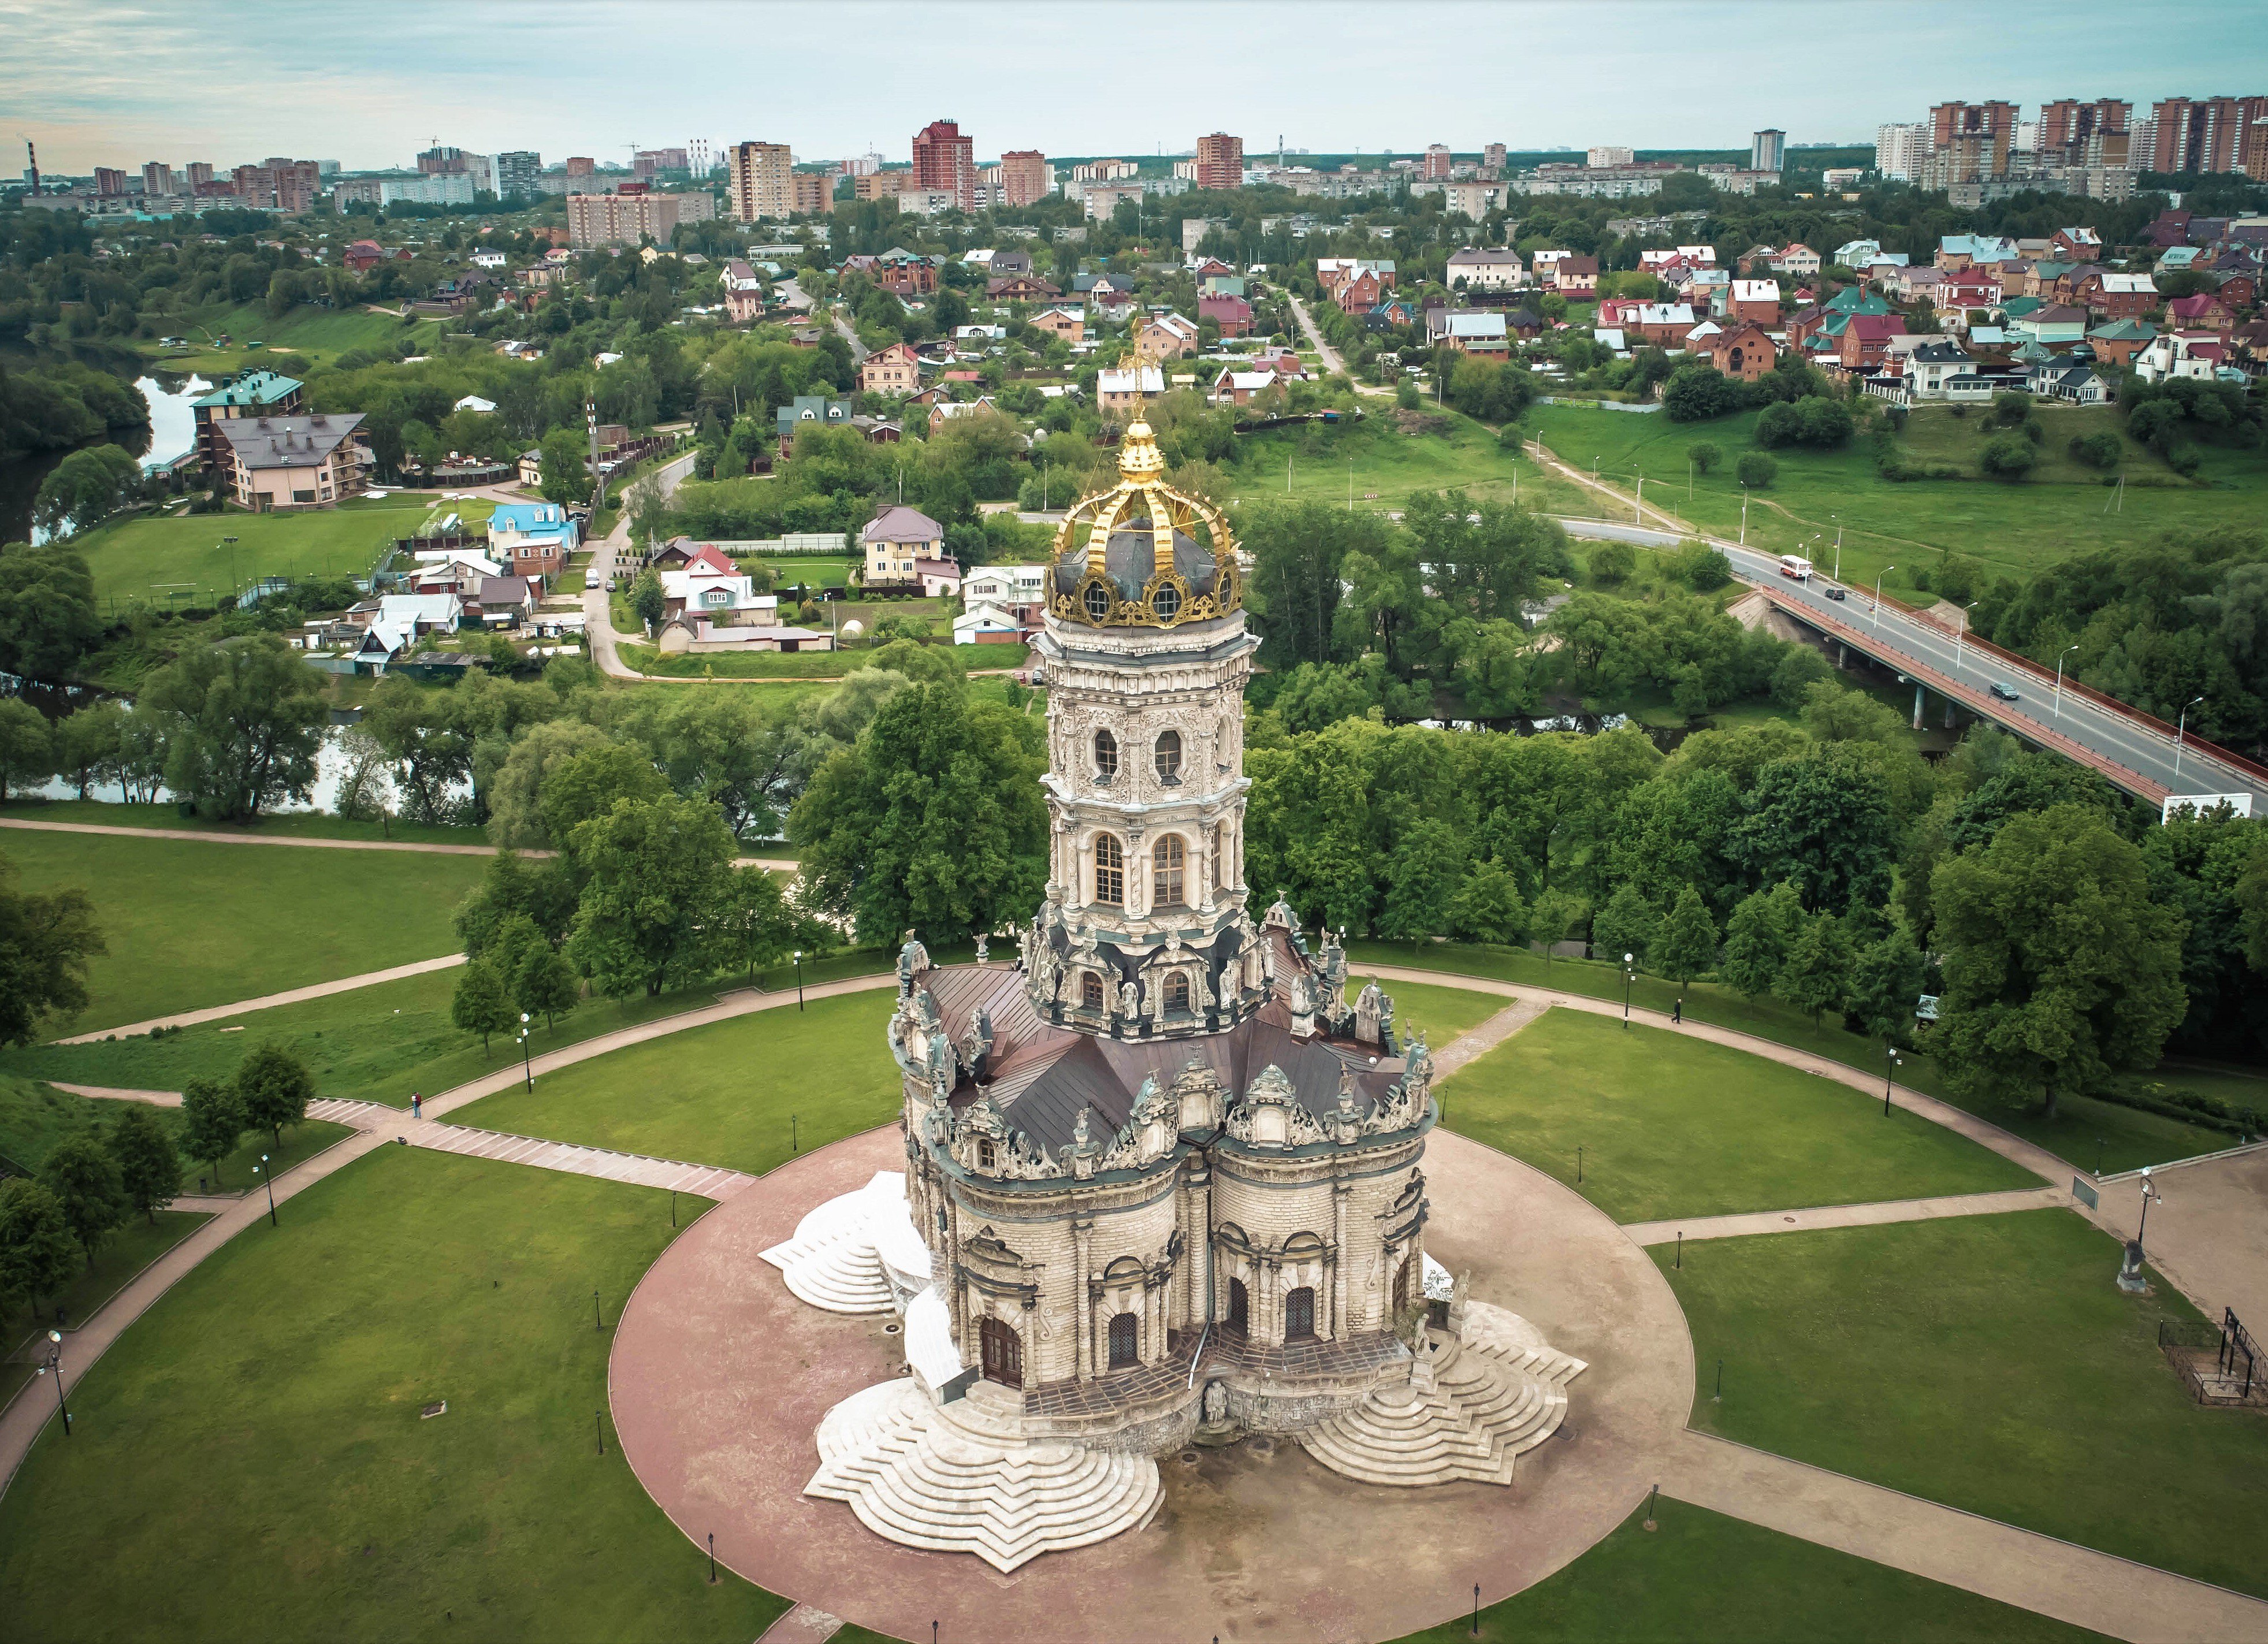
(172, 431)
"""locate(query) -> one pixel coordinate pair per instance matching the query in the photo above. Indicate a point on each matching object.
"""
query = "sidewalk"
(214, 1013)
(1875, 1214)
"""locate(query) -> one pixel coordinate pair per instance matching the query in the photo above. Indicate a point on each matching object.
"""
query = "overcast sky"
(110, 82)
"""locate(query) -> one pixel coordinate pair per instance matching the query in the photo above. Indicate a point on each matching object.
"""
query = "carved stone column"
(1340, 1194)
(1082, 1235)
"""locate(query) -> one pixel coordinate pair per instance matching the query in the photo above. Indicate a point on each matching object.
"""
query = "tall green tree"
(28, 746)
(1628, 924)
(1821, 823)
(931, 820)
(1422, 877)
(566, 476)
(2060, 970)
(275, 1085)
(148, 1167)
(1687, 945)
(1757, 938)
(36, 1257)
(244, 722)
(544, 984)
(481, 1004)
(656, 873)
(1886, 985)
(1487, 907)
(212, 1121)
(46, 940)
(1815, 979)
(87, 1182)
(87, 749)
(48, 614)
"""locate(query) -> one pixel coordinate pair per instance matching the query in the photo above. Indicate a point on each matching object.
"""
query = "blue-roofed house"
(532, 539)
(2177, 257)
(252, 394)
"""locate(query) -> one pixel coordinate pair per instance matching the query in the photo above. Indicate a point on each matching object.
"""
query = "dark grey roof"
(1129, 560)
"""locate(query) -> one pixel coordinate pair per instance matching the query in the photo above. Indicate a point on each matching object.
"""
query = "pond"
(171, 433)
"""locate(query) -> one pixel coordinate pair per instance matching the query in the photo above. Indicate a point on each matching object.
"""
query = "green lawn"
(250, 1458)
(377, 1044)
(186, 558)
(2014, 530)
(285, 825)
(2083, 1133)
(1440, 1012)
(1987, 1362)
(35, 1117)
(132, 1247)
(1702, 1575)
(1673, 1126)
(745, 1093)
(317, 334)
(192, 924)
(1387, 465)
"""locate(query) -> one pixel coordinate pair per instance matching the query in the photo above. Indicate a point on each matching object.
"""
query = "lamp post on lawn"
(1744, 513)
(1890, 1072)
(527, 1062)
(53, 1365)
(2067, 650)
(799, 978)
(1838, 548)
(262, 1171)
(2179, 731)
(1878, 595)
(2149, 1192)
(1629, 974)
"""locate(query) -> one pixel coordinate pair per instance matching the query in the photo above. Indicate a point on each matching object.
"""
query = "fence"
(2231, 1375)
(1599, 405)
(824, 544)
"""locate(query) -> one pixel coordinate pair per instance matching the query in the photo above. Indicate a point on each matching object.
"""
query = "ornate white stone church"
(1164, 1180)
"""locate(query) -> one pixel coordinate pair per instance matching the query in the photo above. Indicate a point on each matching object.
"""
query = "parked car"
(2004, 693)
(590, 579)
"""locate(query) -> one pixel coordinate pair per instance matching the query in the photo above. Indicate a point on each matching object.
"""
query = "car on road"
(1836, 594)
(2004, 693)
(590, 579)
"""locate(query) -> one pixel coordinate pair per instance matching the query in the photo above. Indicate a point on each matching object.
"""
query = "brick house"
(2117, 342)
(1866, 340)
(1742, 350)
(2205, 312)
(1754, 300)
(1070, 324)
(2117, 296)
(1359, 293)
(1232, 315)
(2077, 244)
(1663, 325)
(1166, 337)
(1021, 288)
(283, 462)
(897, 541)
(893, 370)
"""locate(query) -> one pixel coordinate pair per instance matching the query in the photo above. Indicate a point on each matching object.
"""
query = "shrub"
(1704, 456)
(2011, 409)
(1701, 567)
(2009, 457)
(1612, 562)
(1757, 470)
(2097, 451)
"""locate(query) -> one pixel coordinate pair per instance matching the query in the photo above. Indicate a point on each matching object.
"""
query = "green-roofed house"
(2117, 342)
(1856, 299)
(253, 393)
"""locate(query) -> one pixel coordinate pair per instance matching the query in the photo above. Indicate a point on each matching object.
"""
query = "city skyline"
(180, 93)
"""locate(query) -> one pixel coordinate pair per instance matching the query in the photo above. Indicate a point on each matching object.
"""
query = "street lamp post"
(1890, 1072)
(54, 1366)
(799, 978)
(2149, 1192)
(1878, 593)
(1744, 513)
(1838, 548)
(2179, 731)
(1961, 633)
(1629, 974)
(2067, 650)
(527, 1061)
(263, 1173)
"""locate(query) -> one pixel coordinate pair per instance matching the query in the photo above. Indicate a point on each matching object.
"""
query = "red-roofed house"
(893, 370)
(1232, 315)
(1741, 349)
(1866, 340)
(2205, 312)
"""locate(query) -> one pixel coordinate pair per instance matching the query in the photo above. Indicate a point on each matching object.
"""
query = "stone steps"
(956, 1480)
(1470, 1408)
(832, 1262)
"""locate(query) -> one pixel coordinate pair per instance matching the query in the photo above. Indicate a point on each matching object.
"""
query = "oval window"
(1106, 756)
(1166, 600)
(1168, 757)
(1098, 601)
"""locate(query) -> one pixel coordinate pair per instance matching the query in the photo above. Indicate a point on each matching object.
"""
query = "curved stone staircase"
(962, 1478)
(832, 1262)
(1471, 1405)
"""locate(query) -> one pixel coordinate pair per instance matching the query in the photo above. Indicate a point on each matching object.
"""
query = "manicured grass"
(193, 923)
(2083, 1133)
(812, 571)
(1987, 1362)
(250, 1455)
(187, 559)
(317, 334)
(285, 825)
(722, 1094)
(377, 1044)
(1673, 1126)
(1702, 1575)
(125, 1253)
(35, 1117)
(2013, 530)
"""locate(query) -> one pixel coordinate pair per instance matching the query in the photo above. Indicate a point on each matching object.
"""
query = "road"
(858, 350)
(610, 556)
(2139, 757)
(1334, 362)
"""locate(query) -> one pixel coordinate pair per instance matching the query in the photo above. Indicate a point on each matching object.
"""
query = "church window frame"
(1110, 870)
(1177, 991)
(1165, 756)
(1169, 872)
(1124, 1337)
(1106, 756)
(1091, 996)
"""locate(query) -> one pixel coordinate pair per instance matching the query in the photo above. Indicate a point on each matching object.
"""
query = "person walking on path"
(416, 1106)
(1677, 1012)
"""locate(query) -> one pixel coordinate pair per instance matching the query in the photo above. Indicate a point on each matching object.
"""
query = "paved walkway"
(1871, 1215)
(802, 1624)
(1475, 1042)
(1980, 1555)
(119, 1093)
(2208, 1236)
(293, 995)
(708, 1181)
(205, 836)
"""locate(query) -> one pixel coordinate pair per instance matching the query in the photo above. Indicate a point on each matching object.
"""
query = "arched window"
(1177, 991)
(1109, 870)
(1090, 992)
(1106, 756)
(1125, 1341)
(1097, 599)
(1300, 1314)
(1239, 1307)
(986, 1157)
(1168, 756)
(1167, 866)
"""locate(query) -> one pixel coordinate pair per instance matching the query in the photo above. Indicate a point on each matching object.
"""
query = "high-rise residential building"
(295, 184)
(520, 172)
(2078, 132)
(1492, 157)
(945, 159)
(1026, 177)
(811, 192)
(624, 217)
(757, 177)
(581, 165)
(1768, 151)
(2255, 152)
(647, 162)
(2201, 134)
(1220, 161)
(1598, 155)
(109, 179)
(255, 186)
(1900, 149)
(157, 177)
(438, 160)
(1969, 142)
(1436, 165)
(199, 172)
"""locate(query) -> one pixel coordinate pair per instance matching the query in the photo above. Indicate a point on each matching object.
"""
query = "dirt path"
(321, 989)
(1334, 362)
(1869, 1215)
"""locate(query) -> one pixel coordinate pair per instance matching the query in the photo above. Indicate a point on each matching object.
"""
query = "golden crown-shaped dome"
(1143, 554)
